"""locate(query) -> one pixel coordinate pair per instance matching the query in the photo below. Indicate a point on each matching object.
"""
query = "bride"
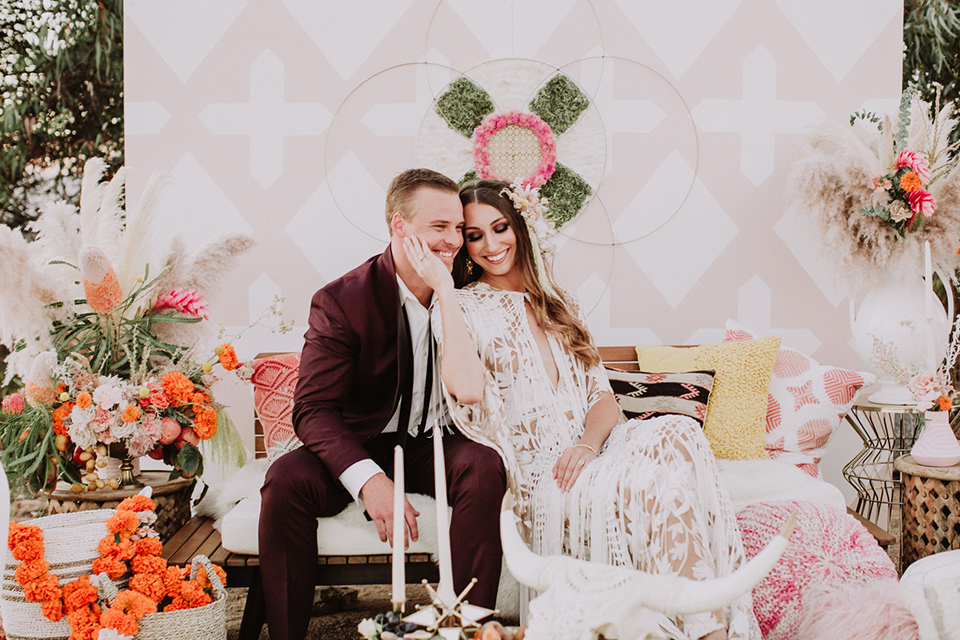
(522, 374)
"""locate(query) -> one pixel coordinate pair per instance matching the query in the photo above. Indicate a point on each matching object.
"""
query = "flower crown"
(533, 208)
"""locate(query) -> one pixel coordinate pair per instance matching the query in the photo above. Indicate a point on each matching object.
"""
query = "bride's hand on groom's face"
(428, 266)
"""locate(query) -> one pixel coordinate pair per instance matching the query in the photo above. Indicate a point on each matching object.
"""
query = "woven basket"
(208, 622)
(70, 541)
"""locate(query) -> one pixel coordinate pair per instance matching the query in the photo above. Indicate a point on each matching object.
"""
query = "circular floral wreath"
(497, 122)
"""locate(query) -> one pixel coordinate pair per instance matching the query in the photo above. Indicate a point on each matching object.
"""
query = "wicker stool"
(172, 498)
(931, 509)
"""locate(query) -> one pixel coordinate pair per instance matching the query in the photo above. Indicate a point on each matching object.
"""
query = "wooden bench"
(199, 537)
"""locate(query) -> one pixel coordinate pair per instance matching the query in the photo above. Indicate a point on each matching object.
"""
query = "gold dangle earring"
(469, 267)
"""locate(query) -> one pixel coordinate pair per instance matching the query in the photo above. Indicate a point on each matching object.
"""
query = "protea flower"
(187, 301)
(99, 280)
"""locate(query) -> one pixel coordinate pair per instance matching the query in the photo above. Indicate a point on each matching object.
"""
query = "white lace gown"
(652, 499)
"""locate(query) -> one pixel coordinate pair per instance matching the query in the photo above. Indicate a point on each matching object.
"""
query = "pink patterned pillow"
(805, 405)
(274, 380)
(829, 550)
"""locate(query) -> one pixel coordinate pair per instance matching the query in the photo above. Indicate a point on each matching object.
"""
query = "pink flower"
(924, 390)
(916, 162)
(881, 182)
(14, 403)
(922, 202)
(187, 301)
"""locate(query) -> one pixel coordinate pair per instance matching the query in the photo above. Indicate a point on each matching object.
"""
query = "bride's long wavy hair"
(552, 312)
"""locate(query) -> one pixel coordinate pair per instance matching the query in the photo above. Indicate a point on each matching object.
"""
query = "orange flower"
(51, 608)
(205, 423)
(150, 585)
(910, 182)
(39, 394)
(30, 549)
(110, 566)
(99, 280)
(177, 604)
(124, 624)
(228, 357)
(59, 415)
(79, 594)
(137, 503)
(148, 564)
(30, 570)
(84, 623)
(148, 547)
(17, 533)
(131, 413)
(177, 386)
(43, 588)
(123, 523)
(134, 603)
(84, 399)
(945, 403)
(199, 398)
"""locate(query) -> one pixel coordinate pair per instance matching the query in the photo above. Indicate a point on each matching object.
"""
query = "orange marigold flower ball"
(148, 564)
(123, 523)
(124, 624)
(148, 547)
(945, 403)
(134, 603)
(45, 587)
(59, 415)
(910, 182)
(108, 547)
(177, 386)
(30, 570)
(84, 623)
(84, 399)
(29, 549)
(228, 357)
(150, 585)
(172, 580)
(52, 609)
(110, 566)
(78, 594)
(137, 503)
(177, 604)
(131, 413)
(205, 423)
(127, 550)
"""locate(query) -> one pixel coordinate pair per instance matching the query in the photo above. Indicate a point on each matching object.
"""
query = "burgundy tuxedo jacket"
(350, 374)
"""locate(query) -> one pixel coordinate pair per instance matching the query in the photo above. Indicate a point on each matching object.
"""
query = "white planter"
(937, 445)
(894, 311)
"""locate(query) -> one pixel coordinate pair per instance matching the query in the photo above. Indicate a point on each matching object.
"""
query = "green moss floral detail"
(464, 105)
(566, 193)
(559, 103)
(467, 177)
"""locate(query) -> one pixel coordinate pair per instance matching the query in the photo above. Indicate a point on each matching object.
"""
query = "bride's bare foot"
(719, 634)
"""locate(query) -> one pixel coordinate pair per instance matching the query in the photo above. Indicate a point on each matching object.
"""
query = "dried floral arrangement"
(876, 198)
(112, 353)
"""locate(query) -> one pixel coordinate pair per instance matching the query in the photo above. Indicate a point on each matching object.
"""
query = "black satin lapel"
(405, 364)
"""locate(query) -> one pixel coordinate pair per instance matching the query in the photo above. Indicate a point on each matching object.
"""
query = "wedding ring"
(579, 461)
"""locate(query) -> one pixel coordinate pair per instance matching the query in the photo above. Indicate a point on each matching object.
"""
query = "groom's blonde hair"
(404, 186)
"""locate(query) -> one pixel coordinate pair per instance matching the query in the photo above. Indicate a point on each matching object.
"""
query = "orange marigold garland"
(153, 586)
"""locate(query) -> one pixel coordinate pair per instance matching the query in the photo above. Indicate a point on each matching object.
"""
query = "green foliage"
(464, 106)
(931, 46)
(559, 103)
(61, 86)
(566, 193)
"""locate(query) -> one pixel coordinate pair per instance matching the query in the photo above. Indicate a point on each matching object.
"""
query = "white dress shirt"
(418, 317)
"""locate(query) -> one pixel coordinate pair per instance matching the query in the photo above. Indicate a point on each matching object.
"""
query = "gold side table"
(931, 509)
(888, 432)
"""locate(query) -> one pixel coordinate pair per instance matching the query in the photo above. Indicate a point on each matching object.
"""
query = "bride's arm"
(602, 417)
(460, 365)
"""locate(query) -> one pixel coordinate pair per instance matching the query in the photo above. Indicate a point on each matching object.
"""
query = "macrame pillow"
(738, 401)
(828, 550)
(806, 404)
(274, 381)
(646, 395)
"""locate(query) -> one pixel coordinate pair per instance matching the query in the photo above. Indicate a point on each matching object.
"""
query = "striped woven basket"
(208, 622)
(70, 541)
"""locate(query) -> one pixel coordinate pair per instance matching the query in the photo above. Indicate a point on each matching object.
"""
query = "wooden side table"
(172, 498)
(931, 509)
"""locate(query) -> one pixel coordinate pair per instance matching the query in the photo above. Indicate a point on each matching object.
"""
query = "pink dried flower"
(916, 162)
(922, 202)
(924, 390)
(14, 403)
(187, 301)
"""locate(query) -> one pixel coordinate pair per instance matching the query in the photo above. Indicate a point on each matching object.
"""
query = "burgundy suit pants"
(299, 489)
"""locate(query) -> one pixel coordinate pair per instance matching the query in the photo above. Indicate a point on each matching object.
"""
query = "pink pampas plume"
(875, 610)
(99, 280)
(187, 301)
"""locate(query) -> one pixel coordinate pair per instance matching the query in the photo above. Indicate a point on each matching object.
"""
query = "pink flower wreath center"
(496, 122)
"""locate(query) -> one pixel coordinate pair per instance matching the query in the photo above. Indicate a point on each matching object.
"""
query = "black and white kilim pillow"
(647, 395)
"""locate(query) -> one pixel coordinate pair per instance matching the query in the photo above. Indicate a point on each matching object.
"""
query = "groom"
(368, 382)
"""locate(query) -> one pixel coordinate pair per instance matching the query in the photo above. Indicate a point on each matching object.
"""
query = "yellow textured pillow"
(737, 409)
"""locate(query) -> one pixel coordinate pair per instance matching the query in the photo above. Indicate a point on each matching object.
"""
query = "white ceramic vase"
(937, 445)
(894, 311)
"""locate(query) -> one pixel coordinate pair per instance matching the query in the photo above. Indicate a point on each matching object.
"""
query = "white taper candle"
(399, 591)
(928, 297)
(445, 588)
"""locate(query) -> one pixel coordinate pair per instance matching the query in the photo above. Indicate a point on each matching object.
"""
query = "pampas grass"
(834, 181)
(877, 611)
